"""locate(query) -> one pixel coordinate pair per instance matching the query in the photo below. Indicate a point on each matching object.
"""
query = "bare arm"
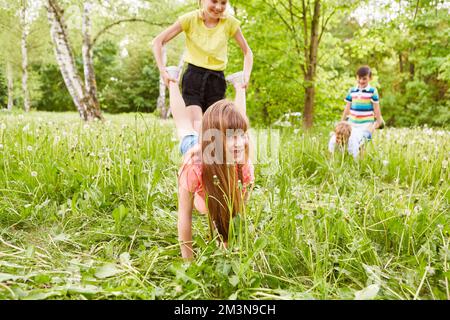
(378, 117)
(248, 56)
(185, 206)
(158, 43)
(346, 111)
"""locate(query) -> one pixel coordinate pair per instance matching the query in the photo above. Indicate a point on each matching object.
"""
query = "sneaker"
(235, 78)
(173, 72)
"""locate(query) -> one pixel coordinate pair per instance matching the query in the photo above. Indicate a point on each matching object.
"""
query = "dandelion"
(385, 163)
(430, 270)
(30, 148)
(1, 146)
(26, 127)
(33, 173)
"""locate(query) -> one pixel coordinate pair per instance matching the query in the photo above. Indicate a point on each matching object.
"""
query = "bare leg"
(196, 114)
(239, 99)
(178, 107)
(236, 79)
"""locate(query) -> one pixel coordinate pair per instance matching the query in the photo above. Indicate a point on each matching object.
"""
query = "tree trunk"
(9, 76)
(161, 102)
(66, 62)
(308, 111)
(88, 62)
(25, 32)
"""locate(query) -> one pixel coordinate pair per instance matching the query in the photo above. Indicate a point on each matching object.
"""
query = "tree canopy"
(404, 42)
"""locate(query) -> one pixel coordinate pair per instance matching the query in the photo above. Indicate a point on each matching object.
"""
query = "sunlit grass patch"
(90, 211)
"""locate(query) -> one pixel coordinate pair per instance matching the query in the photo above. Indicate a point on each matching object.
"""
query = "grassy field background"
(89, 211)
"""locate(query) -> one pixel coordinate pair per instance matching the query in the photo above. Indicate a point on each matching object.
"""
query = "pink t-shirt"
(190, 177)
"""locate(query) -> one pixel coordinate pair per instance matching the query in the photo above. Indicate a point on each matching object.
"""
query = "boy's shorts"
(188, 141)
(202, 87)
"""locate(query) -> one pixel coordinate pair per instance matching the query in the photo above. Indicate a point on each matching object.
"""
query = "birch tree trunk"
(88, 62)
(161, 102)
(66, 62)
(25, 32)
(9, 76)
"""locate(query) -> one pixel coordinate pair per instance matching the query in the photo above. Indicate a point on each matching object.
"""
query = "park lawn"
(89, 211)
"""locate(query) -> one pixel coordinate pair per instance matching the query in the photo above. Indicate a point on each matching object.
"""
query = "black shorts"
(202, 87)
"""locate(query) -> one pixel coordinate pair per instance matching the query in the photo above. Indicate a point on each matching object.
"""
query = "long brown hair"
(343, 130)
(221, 179)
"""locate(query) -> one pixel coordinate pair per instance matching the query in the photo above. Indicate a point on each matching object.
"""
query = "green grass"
(89, 211)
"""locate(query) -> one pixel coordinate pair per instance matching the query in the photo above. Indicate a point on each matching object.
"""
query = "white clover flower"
(385, 163)
(127, 162)
(33, 173)
(30, 148)
(26, 127)
(2, 126)
(1, 146)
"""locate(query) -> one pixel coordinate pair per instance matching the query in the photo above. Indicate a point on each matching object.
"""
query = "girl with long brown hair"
(216, 173)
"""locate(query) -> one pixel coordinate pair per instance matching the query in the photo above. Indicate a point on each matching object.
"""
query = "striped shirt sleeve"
(348, 98)
(375, 97)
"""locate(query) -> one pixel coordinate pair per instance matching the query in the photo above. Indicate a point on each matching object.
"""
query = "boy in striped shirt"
(363, 103)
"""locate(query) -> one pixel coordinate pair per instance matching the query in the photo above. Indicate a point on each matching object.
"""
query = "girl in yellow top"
(207, 32)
